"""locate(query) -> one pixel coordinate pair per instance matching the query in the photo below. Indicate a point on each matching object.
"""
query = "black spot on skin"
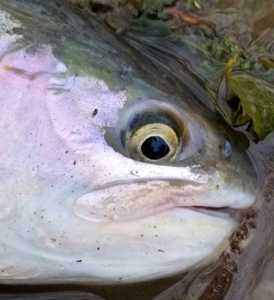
(95, 112)
(74, 162)
(80, 260)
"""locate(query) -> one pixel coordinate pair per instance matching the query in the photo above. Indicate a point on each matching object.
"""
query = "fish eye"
(155, 147)
(153, 131)
(156, 142)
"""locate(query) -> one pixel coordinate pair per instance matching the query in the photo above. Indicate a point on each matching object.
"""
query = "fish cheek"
(30, 147)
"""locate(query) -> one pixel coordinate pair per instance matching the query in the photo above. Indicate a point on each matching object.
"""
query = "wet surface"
(246, 269)
(144, 290)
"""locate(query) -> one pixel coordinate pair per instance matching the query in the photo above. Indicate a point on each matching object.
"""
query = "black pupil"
(155, 148)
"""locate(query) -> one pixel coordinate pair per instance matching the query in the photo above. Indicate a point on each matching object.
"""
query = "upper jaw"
(143, 198)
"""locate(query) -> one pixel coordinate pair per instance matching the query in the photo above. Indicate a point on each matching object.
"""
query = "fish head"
(109, 172)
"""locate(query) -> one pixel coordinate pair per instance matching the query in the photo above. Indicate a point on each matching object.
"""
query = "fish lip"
(103, 207)
(92, 205)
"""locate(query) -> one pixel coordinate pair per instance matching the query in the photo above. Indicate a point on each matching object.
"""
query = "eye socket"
(154, 142)
(154, 131)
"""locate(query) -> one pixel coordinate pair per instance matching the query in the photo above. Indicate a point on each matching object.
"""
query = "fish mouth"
(139, 199)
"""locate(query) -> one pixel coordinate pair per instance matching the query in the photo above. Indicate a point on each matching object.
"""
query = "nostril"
(227, 148)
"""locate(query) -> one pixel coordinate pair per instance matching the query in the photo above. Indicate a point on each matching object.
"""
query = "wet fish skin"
(68, 88)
